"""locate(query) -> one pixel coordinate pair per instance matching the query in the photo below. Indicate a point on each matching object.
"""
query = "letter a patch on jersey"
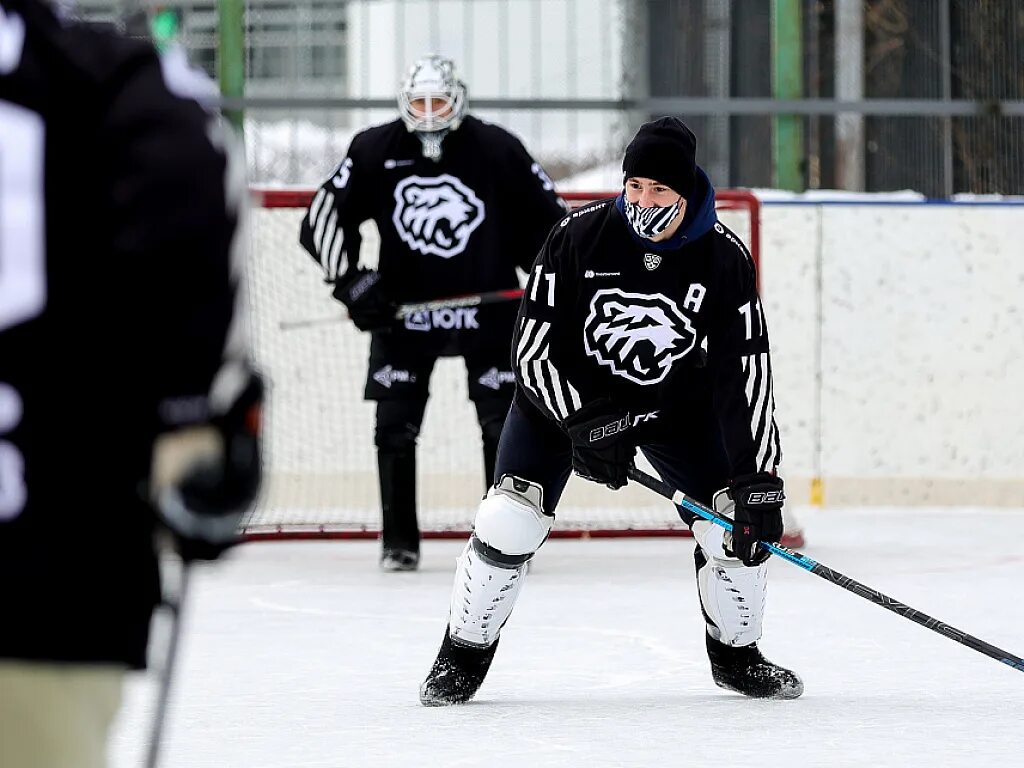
(436, 215)
(638, 336)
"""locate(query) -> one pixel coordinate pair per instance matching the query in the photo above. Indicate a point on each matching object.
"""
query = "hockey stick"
(175, 606)
(404, 310)
(696, 509)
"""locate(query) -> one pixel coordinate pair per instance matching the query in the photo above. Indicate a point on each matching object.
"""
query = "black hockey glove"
(368, 306)
(757, 516)
(601, 448)
(207, 477)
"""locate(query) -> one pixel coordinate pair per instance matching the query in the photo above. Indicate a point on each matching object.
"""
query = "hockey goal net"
(321, 478)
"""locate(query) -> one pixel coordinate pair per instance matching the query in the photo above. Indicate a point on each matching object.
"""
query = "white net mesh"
(322, 474)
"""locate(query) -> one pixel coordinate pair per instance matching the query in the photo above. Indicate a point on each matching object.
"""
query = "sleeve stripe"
(525, 332)
(534, 351)
(748, 366)
(527, 339)
(574, 396)
(763, 430)
(538, 373)
(543, 393)
(314, 209)
(323, 245)
(556, 385)
(318, 235)
(758, 426)
(335, 260)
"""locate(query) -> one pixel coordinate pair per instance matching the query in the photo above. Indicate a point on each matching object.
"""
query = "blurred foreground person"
(127, 403)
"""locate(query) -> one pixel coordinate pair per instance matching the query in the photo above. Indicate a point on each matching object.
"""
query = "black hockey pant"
(395, 435)
(689, 456)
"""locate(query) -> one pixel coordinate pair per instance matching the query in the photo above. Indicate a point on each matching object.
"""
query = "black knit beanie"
(664, 150)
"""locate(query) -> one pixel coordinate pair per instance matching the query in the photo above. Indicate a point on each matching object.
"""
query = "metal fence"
(925, 95)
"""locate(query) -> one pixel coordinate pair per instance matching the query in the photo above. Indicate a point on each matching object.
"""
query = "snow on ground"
(305, 655)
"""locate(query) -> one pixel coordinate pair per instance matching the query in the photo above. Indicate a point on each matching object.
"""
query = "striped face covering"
(651, 222)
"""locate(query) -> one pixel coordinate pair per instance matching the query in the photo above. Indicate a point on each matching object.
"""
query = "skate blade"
(786, 692)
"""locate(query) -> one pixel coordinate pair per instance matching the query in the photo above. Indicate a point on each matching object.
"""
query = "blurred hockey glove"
(368, 305)
(601, 448)
(754, 502)
(205, 478)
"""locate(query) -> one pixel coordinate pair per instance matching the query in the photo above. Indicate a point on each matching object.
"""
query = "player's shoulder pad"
(377, 136)
(487, 128)
(96, 52)
(586, 217)
(730, 247)
(494, 136)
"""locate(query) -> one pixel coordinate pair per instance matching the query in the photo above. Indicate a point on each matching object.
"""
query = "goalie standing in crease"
(641, 327)
(459, 204)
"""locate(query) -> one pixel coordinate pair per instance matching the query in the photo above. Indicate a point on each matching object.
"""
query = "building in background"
(604, 66)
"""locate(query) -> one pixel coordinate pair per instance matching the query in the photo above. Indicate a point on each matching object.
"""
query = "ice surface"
(305, 655)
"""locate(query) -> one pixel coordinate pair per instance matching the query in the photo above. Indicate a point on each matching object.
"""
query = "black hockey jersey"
(459, 225)
(116, 298)
(653, 326)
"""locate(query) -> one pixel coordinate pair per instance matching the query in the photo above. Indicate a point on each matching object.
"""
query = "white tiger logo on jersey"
(436, 215)
(637, 335)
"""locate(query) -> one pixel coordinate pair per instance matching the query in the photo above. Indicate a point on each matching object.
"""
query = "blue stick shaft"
(695, 509)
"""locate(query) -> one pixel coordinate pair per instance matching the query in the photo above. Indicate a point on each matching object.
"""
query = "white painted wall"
(922, 346)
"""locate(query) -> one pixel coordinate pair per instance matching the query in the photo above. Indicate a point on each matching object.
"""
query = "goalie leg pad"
(732, 597)
(510, 526)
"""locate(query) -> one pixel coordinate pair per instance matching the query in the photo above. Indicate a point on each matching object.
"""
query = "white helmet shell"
(432, 98)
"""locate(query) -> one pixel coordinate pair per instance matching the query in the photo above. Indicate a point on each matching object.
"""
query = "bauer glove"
(754, 502)
(601, 448)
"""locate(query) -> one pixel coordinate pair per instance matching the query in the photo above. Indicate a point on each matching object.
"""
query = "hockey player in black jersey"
(459, 204)
(124, 383)
(641, 327)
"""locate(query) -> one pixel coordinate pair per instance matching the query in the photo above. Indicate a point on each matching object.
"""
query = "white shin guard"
(731, 593)
(510, 526)
(732, 596)
(482, 598)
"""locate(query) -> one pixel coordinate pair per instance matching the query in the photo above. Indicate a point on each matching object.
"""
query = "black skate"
(746, 671)
(396, 559)
(457, 673)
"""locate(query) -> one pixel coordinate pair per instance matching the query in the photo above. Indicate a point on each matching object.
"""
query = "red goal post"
(321, 476)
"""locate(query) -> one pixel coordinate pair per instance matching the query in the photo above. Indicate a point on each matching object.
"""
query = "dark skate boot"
(398, 559)
(457, 673)
(746, 671)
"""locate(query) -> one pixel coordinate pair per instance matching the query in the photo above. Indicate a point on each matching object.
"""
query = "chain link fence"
(573, 78)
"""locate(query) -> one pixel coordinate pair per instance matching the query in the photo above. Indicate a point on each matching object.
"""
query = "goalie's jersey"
(115, 218)
(459, 225)
(659, 328)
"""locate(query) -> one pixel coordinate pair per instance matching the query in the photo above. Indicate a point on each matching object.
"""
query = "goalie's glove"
(601, 448)
(368, 305)
(754, 502)
(205, 478)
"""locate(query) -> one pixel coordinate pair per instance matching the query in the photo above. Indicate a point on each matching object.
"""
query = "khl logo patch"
(637, 335)
(436, 215)
(652, 261)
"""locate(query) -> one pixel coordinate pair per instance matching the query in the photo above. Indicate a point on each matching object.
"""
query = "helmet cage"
(432, 79)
